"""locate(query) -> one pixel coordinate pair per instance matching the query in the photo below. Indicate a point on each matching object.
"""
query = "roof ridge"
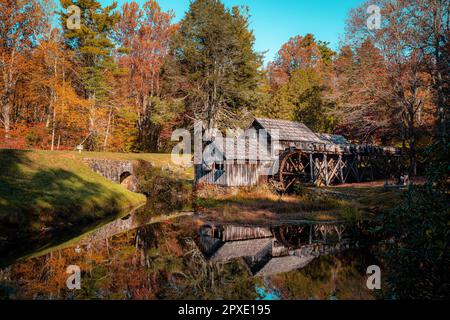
(270, 119)
(290, 130)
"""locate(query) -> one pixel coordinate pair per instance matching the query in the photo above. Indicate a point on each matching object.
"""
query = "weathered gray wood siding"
(234, 233)
(233, 175)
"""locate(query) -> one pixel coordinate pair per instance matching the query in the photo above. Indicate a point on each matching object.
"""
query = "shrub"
(163, 191)
(36, 137)
(417, 255)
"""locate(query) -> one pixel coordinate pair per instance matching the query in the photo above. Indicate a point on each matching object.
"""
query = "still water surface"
(189, 258)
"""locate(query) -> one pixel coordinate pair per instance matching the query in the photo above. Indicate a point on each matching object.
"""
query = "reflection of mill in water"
(272, 250)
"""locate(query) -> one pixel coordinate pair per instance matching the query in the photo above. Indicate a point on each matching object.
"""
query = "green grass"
(49, 197)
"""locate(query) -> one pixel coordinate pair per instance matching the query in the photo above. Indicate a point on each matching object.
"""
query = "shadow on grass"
(41, 207)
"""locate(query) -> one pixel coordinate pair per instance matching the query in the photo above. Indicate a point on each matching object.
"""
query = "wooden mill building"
(236, 162)
(290, 152)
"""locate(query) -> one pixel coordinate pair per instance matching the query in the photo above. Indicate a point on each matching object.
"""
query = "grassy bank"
(161, 160)
(48, 197)
(259, 205)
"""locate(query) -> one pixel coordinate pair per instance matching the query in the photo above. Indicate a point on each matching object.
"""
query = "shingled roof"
(242, 248)
(289, 130)
(284, 264)
(241, 149)
(333, 138)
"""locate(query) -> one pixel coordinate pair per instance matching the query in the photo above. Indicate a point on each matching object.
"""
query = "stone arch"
(118, 171)
(124, 175)
(126, 180)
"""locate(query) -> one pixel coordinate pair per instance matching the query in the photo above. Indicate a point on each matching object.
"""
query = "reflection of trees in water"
(329, 277)
(131, 267)
(202, 279)
(146, 239)
(45, 277)
(157, 261)
(200, 274)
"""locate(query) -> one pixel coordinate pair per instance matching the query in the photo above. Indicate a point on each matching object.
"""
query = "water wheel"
(294, 167)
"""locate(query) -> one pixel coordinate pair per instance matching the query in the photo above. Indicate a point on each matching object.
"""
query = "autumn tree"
(299, 53)
(413, 43)
(144, 34)
(50, 89)
(429, 33)
(93, 47)
(21, 23)
(51, 84)
(403, 64)
(365, 108)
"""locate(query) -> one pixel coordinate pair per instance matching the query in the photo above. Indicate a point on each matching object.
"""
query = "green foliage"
(207, 202)
(311, 107)
(92, 47)
(164, 192)
(92, 43)
(164, 111)
(217, 69)
(302, 99)
(326, 53)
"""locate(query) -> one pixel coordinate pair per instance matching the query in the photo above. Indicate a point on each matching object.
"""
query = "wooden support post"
(311, 167)
(346, 166)
(372, 161)
(355, 165)
(333, 172)
(341, 169)
(310, 233)
(325, 163)
(360, 166)
(317, 175)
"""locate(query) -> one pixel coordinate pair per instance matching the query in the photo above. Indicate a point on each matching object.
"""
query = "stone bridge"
(119, 171)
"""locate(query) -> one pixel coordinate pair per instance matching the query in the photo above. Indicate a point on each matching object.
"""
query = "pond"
(188, 258)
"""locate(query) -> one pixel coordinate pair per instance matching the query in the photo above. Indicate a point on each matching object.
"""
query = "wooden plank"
(341, 169)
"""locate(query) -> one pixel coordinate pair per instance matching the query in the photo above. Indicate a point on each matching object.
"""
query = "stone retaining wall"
(119, 171)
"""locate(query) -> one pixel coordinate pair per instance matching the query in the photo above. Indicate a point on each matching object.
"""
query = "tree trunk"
(7, 118)
(440, 71)
(412, 151)
(105, 142)
(92, 127)
(53, 105)
(53, 127)
(441, 103)
(8, 89)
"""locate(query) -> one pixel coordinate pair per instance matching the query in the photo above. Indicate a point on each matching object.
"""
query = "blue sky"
(275, 21)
